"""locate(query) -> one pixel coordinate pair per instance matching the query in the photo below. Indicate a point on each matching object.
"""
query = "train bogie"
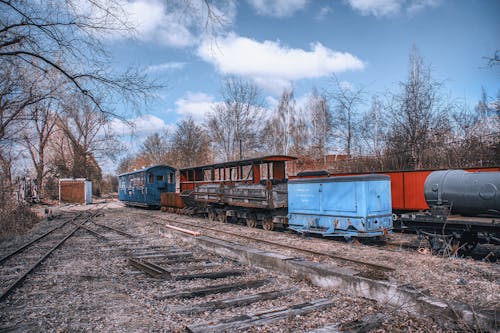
(352, 206)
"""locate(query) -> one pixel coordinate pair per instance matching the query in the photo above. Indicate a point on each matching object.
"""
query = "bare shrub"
(16, 219)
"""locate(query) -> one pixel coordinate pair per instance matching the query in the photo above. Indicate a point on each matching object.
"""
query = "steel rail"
(23, 276)
(333, 256)
(39, 238)
(121, 232)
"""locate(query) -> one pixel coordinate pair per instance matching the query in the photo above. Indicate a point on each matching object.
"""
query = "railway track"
(259, 240)
(18, 264)
(195, 284)
(120, 273)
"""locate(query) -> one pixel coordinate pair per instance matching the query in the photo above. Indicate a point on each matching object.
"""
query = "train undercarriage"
(453, 233)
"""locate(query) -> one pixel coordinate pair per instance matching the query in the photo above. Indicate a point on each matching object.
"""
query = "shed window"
(151, 178)
(160, 178)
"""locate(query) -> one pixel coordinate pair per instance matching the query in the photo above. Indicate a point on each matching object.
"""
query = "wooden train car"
(251, 190)
(143, 187)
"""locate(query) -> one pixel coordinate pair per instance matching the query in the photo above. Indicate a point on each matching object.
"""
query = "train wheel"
(212, 216)
(268, 224)
(468, 242)
(222, 217)
(251, 221)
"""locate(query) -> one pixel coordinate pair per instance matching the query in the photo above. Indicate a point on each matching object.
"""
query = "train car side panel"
(413, 184)
(357, 206)
(144, 187)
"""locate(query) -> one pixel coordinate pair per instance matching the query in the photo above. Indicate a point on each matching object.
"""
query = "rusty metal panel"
(171, 199)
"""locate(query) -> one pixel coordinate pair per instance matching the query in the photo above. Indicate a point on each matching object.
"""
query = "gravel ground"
(456, 279)
(87, 285)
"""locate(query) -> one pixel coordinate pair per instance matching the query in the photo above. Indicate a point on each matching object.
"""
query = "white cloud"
(168, 66)
(141, 126)
(195, 105)
(419, 5)
(376, 7)
(269, 63)
(277, 8)
(391, 7)
(323, 13)
(175, 23)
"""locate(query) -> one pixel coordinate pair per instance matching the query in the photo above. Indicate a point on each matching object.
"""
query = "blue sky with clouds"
(278, 43)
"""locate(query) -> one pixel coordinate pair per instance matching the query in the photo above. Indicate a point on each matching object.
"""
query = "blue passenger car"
(143, 187)
(351, 206)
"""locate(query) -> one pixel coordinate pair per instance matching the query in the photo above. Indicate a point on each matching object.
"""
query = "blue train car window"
(171, 178)
(160, 178)
(151, 178)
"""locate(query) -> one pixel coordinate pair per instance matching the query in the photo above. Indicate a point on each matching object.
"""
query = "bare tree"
(419, 116)
(277, 131)
(321, 125)
(234, 124)
(190, 144)
(156, 148)
(66, 37)
(346, 100)
(85, 136)
(372, 128)
(36, 137)
(299, 136)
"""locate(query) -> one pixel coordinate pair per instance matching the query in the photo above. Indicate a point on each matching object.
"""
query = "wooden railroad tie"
(158, 272)
(216, 289)
(246, 321)
(234, 302)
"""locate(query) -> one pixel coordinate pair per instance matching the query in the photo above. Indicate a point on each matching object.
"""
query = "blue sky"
(302, 43)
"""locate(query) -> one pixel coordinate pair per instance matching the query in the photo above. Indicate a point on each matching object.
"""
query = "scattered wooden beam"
(209, 275)
(182, 260)
(246, 321)
(186, 231)
(234, 302)
(166, 256)
(192, 268)
(150, 268)
(217, 289)
(362, 325)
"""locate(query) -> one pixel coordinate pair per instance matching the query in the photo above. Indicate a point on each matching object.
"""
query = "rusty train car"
(256, 192)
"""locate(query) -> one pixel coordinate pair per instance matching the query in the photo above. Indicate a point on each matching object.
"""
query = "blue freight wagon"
(143, 187)
(351, 206)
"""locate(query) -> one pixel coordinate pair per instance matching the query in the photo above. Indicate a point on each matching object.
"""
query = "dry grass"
(16, 220)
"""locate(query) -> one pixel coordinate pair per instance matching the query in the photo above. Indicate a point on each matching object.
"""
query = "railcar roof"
(335, 179)
(257, 160)
(159, 166)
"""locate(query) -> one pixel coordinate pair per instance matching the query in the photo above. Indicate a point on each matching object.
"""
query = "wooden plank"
(234, 302)
(364, 324)
(182, 260)
(216, 289)
(209, 275)
(192, 268)
(246, 321)
(167, 256)
(150, 268)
